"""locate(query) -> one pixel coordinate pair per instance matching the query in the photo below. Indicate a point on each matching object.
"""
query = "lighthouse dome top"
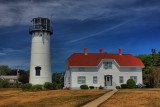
(41, 24)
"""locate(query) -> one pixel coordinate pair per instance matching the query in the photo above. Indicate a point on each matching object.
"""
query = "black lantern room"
(41, 24)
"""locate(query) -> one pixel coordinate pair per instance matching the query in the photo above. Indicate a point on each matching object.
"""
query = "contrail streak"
(98, 33)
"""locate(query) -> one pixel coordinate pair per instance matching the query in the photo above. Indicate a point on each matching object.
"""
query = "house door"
(108, 79)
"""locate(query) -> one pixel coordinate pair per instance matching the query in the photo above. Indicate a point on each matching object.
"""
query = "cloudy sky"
(133, 25)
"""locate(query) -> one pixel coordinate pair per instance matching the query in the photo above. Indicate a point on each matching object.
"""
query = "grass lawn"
(53, 98)
(134, 98)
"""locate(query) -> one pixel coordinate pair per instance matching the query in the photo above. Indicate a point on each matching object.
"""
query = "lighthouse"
(40, 64)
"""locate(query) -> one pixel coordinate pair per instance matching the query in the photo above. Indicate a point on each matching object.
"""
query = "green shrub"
(131, 83)
(54, 86)
(51, 86)
(84, 86)
(37, 86)
(118, 87)
(100, 87)
(4, 84)
(26, 86)
(1, 85)
(124, 86)
(47, 85)
(13, 86)
(23, 86)
(157, 86)
(91, 87)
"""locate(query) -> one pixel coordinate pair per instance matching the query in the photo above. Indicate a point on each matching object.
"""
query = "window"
(120, 79)
(94, 79)
(107, 65)
(81, 80)
(38, 70)
(134, 78)
(81, 69)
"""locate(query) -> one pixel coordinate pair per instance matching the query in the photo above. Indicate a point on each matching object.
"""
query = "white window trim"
(120, 79)
(81, 80)
(134, 78)
(96, 79)
(107, 67)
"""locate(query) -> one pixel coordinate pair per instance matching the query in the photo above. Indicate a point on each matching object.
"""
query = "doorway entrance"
(108, 80)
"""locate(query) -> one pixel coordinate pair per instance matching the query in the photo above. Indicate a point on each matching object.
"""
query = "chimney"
(120, 51)
(18, 75)
(100, 50)
(85, 50)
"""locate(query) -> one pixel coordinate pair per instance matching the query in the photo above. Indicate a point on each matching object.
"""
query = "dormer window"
(107, 65)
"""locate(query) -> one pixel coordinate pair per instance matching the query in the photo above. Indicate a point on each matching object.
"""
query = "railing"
(40, 28)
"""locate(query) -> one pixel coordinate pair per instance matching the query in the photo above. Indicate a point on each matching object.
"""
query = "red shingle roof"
(93, 59)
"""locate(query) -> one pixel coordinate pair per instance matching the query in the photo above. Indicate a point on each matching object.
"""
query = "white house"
(101, 69)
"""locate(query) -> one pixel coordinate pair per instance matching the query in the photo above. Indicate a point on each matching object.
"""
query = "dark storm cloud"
(21, 11)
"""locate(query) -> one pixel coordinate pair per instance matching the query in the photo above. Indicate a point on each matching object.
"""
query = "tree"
(156, 74)
(154, 57)
(58, 78)
(147, 60)
(158, 59)
(4, 70)
(4, 84)
(23, 75)
(148, 78)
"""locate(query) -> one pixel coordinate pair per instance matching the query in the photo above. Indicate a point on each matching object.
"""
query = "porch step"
(109, 87)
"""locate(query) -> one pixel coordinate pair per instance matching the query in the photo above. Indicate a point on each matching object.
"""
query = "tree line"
(57, 78)
(151, 72)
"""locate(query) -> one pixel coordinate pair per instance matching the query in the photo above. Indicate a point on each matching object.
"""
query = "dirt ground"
(134, 98)
(53, 98)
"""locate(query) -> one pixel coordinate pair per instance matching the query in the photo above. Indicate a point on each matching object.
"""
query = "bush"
(118, 87)
(4, 84)
(131, 83)
(23, 86)
(84, 86)
(1, 85)
(100, 87)
(37, 86)
(157, 86)
(91, 87)
(13, 86)
(52, 86)
(124, 86)
(47, 85)
(26, 86)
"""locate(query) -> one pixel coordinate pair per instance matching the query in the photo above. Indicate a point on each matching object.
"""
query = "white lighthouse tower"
(40, 65)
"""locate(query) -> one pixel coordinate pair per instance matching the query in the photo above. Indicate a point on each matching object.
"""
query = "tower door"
(108, 80)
